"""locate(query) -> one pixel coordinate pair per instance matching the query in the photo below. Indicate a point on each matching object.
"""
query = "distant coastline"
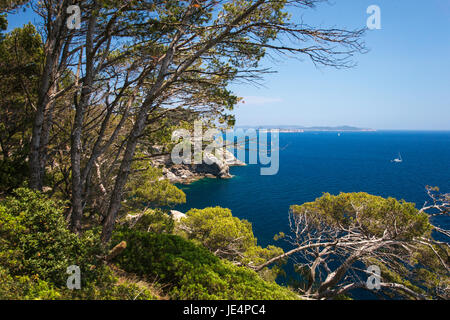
(290, 129)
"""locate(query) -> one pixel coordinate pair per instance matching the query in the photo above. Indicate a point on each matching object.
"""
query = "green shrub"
(146, 188)
(151, 220)
(25, 288)
(191, 271)
(36, 247)
(130, 291)
(35, 240)
(13, 172)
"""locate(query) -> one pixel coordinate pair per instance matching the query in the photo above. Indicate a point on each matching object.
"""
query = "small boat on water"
(399, 159)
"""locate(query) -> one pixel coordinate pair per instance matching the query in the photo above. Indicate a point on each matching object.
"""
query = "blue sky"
(402, 83)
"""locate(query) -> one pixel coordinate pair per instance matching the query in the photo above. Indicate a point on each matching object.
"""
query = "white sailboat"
(399, 159)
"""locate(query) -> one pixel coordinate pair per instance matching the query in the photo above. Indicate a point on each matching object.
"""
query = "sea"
(312, 163)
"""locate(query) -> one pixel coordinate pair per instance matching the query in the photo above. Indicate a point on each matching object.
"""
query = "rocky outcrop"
(211, 167)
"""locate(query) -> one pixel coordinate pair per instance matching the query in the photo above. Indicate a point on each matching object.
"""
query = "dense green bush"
(191, 271)
(146, 189)
(227, 236)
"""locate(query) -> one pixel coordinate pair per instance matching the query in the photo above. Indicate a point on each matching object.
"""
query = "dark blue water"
(314, 163)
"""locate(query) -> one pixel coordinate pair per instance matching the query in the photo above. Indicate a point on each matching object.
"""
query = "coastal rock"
(177, 215)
